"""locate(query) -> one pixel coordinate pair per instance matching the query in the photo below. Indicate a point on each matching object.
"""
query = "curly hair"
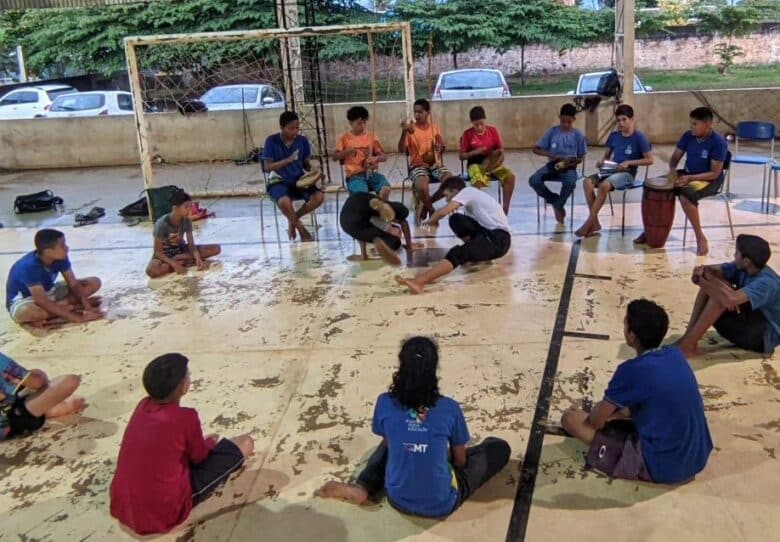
(415, 384)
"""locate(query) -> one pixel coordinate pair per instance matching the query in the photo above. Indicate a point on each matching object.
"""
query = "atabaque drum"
(657, 211)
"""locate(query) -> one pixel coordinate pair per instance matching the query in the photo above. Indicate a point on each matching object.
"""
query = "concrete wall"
(106, 141)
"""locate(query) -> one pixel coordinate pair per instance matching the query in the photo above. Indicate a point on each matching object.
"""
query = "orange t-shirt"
(357, 163)
(420, 145)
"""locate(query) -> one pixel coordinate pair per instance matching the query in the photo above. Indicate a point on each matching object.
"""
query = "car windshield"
(471, 80)
(59, 92)
(590, 84)
(232, 95)
(78, 102)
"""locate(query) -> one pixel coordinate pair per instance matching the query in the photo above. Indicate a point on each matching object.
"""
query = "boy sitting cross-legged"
(174, 245)
(165, 465)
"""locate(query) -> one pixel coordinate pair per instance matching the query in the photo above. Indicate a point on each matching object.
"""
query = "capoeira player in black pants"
(370, 219)
(483, 228)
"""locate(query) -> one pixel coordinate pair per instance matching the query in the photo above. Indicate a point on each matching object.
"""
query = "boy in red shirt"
(165, 465)
(483, 149)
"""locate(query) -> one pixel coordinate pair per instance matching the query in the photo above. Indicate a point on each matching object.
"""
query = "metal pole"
(140, 121)
(625, 19)
(20, 63)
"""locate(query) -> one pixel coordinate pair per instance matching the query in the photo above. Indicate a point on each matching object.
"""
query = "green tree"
(730, 22)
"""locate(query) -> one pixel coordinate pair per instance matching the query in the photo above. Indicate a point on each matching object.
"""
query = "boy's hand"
(350, 152)
(599, 164)
(89, 316)
(294, 156)
(408, 127)
(213, 436)
(200, 263)
(432, 222)
(623, 166)
(178, 268)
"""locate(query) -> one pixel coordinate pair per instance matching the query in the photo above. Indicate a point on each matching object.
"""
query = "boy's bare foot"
(560, 215)
(291, 231)
(641, 240)
(305, 235)
(95, 301)
(385, 211)
(385, 193)
(413, 286)
(596, 226)
(389, 255)
(357, 258)
(702, 247)
(74, 405)
(351, 493)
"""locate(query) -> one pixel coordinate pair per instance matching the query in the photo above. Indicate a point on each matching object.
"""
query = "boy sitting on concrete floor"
(28, 398)
(741, 299)
(482, 148)
(361, 153)
(33, 296)
(371, 219)
(422, 461)
(165, 465)
(171, 252)
(483, 228)
(669, 441)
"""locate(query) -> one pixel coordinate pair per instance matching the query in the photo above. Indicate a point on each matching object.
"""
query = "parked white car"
(238, 97)
(91, 104)
(470, 85)
(589, 82)
(29, 102)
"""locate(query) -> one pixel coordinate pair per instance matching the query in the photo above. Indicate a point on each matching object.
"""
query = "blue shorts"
(279, 190)
(619, 181)
(359, 183)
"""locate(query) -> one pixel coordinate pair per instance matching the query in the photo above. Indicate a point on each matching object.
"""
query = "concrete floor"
(293, 343)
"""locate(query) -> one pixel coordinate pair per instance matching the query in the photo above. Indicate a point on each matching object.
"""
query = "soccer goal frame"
(284, 37)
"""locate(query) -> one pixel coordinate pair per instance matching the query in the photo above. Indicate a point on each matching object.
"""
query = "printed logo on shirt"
(416, 420)
(705, 154)
(415, 448)
(628, 150)
(554, 146)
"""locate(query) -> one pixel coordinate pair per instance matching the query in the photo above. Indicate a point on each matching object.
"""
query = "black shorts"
(20, 421)
(695, 195)
(617, 452)
(206, 476)
(744, 329)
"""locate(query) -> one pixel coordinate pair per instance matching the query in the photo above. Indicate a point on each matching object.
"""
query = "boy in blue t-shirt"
(705, 155)
(35, 297)
(422, 462)
(630, 149)
(741, 299)
(286, 157)
(565, 147)
(650, 425)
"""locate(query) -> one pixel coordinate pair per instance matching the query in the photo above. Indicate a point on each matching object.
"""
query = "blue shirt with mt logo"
(419, 479)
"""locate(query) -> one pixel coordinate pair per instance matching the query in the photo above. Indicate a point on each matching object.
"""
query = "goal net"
(204, 103)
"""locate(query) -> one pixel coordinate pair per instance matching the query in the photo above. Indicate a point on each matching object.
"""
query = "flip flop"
(83, 220)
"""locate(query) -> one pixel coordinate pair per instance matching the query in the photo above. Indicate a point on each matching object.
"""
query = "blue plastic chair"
(539, 199)
(718, 194)
(775, 167)
(761, 132)
(636, 184)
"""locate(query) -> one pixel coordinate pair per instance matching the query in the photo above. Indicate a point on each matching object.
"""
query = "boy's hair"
(47, 238)
(754, 248)
(287, 117)
(477, 113)
(453, 183)
(568, 110)
(648, 321)
(624, 110)
(357, 112)
(415, 384)
(703, 114)
(164, 374)
(422, 102)
(178, 197)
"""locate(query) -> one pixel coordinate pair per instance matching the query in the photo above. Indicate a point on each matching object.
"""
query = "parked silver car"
(91, 104)
(471, 85)
(589, 82)
(238, 97)
(30, 102)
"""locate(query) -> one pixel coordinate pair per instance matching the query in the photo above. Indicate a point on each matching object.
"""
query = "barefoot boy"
(650, 425)
(423, 143)
(361, 153)
(422, 461)
(286, 157)
(483, 228)
(741, 299)
(35, 297)
(483, 149)
(174, 246)
(165, 465)
(371, 219)
(630, 149)
(28, 398)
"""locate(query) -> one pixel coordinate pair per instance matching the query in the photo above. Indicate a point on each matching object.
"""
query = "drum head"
(660, 183)
(309, 178)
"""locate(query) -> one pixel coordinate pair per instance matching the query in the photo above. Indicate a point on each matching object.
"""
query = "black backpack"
(35, 203)
(609, 84)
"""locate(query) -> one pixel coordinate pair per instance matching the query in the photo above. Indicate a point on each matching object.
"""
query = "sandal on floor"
(83, 220)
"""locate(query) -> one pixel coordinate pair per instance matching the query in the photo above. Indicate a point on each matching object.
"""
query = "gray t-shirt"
(170, 235)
